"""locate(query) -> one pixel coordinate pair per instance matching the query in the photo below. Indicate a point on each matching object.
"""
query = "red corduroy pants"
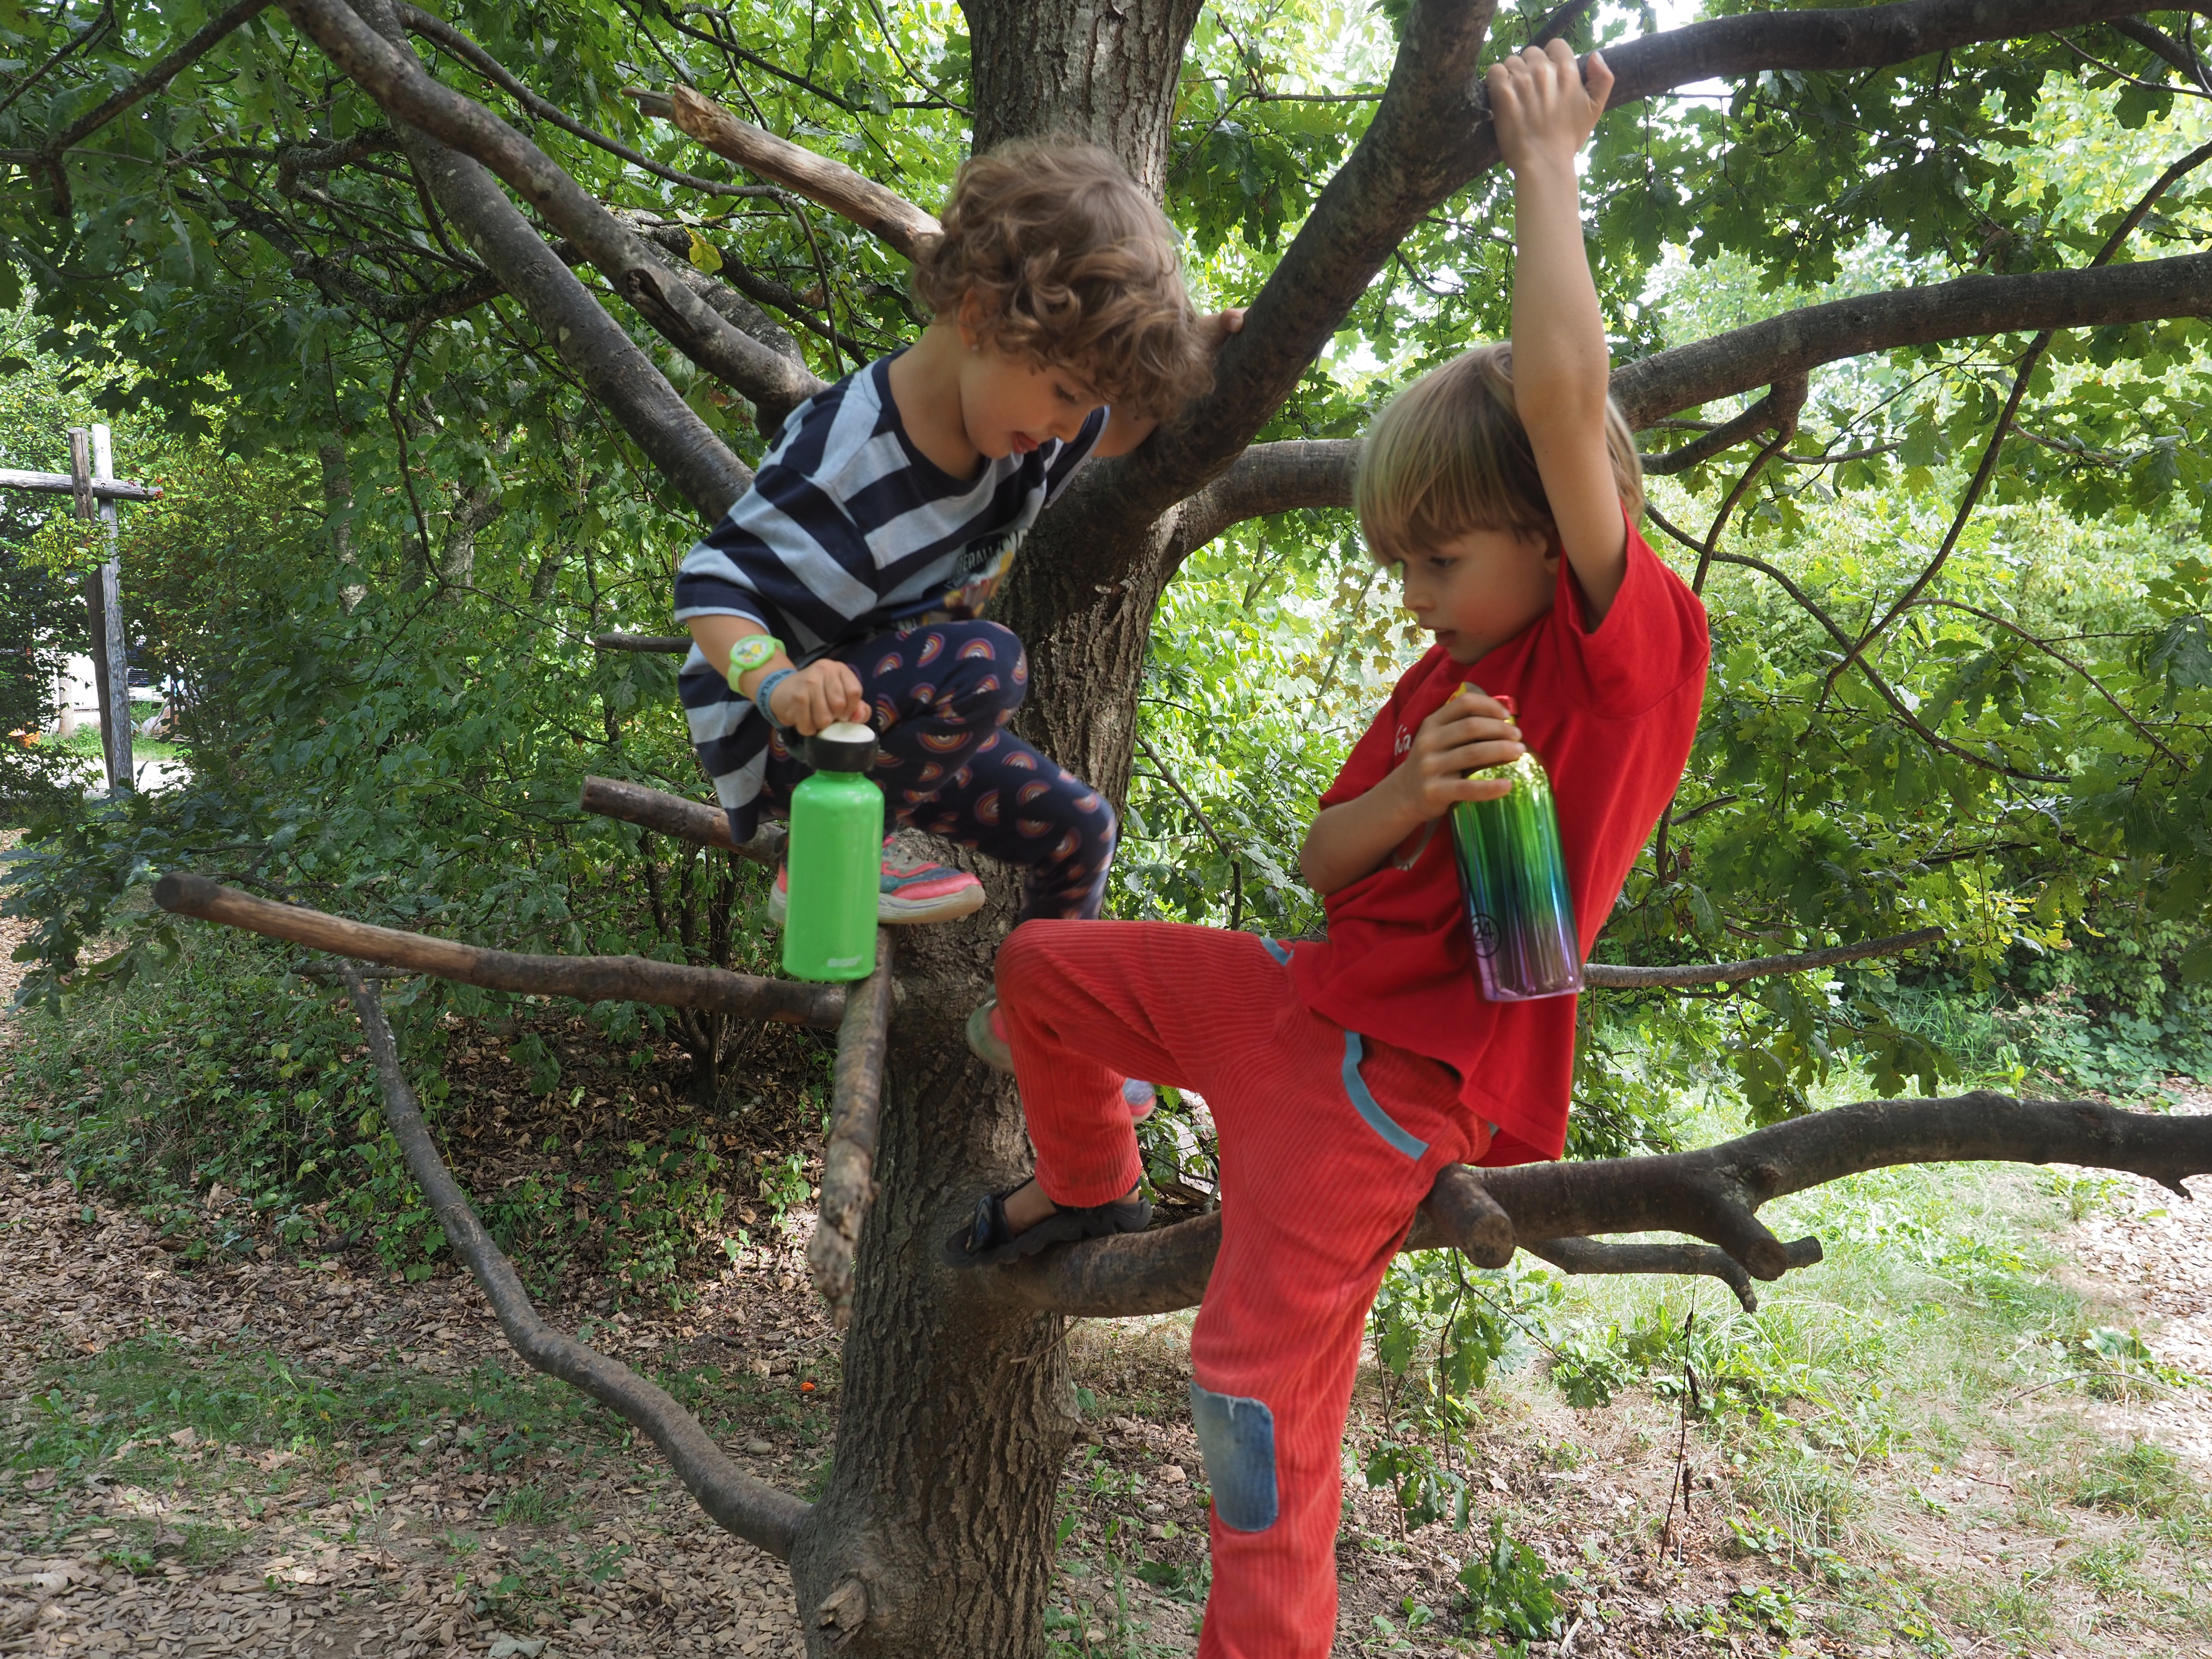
(1327, 1145)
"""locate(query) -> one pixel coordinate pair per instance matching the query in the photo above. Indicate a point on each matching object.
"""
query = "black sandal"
(985, 1242)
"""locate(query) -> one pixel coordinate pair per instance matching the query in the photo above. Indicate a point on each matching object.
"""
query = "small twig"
(1681, 1484)
(1610, 976)
(1236, 865)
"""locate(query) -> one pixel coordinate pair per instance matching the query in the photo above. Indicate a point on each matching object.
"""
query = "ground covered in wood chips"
(299, 1452)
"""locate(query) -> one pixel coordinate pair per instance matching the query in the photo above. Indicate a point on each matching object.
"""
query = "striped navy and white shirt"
(847, 531)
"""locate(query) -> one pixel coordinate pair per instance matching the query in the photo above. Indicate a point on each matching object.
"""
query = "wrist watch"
(751, 653)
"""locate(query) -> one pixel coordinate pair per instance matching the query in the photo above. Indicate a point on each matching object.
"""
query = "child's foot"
(908, 893)
(1023, 1221)
(987, 1037)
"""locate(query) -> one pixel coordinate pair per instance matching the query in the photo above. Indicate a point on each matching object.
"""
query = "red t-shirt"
(1611, 712)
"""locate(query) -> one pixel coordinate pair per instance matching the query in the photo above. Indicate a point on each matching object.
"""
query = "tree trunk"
(956, 1413)
(1100, 70)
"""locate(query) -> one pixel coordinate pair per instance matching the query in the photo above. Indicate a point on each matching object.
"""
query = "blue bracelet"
(761, 693)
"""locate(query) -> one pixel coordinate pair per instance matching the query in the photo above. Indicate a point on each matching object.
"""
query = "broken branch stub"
(849, 1151)
(586, 979)
(755, 1511)
(685, 820)
(850, 195)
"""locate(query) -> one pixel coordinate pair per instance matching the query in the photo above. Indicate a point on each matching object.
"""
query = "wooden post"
(95, 603)
(115, 714)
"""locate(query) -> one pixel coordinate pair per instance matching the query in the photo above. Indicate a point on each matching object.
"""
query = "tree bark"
(1103, 70)
(955, 1410)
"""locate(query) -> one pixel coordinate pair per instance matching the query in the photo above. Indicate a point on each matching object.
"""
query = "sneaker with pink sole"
(909, 893)
(986, 1038)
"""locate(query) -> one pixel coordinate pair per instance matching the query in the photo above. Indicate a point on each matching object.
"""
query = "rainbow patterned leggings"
(944, 693)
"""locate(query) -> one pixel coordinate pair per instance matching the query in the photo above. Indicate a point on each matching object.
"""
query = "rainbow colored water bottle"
(1520, 910)
(835, 858)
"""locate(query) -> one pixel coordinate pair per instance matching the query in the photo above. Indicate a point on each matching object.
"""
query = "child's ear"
(970, 317)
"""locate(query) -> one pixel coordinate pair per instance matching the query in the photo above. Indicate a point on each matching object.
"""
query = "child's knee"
(987, 678)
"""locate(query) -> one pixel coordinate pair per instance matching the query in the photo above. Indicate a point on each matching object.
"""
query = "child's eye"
(1064, 394)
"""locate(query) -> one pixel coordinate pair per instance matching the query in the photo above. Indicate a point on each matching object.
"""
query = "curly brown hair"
(1071, 265)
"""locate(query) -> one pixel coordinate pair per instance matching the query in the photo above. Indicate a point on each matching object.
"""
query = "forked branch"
(849, 1151)
(1714, 1194)
(588, 978)
(756, 1512)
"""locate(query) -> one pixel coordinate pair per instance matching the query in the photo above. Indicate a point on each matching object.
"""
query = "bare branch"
(1776, 411)
(1714, 1194)
(209, 35)
(854, 196)
(664, 645)
(588, 978)
(395, 77)
(756, 1512)
(1613, 976)
(1587, 1255)
(686, 820)
(849, 1151)
(1431, 134)
(1798, 341)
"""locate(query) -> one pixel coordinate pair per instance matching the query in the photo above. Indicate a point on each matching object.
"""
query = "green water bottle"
(834, 858)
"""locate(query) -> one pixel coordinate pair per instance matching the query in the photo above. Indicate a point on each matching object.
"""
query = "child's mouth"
(1023, 443)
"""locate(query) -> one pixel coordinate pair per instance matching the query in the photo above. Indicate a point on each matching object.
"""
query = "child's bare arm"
(1351, 840)
(1125, 432)
(1545, 111)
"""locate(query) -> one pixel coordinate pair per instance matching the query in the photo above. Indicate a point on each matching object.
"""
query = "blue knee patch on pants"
(1236, 1437)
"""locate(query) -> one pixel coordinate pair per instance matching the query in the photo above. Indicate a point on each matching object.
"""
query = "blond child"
(1343, 1074)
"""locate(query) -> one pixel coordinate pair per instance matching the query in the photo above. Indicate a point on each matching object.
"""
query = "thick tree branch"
(1277, 477)
(684, 820)
(588, 978)
(758, 1513)
(1613, 976)
(1714, 1194)
(660, 645)
(1798, 341)
(209, 35)
(1269, 478)
(850, 195)
(849, 1151)
(395, 77)
(1431, 134)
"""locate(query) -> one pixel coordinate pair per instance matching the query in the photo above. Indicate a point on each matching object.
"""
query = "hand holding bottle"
(1471, 729)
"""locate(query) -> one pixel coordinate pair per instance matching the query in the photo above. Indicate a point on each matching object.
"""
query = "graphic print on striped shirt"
(849, 529)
